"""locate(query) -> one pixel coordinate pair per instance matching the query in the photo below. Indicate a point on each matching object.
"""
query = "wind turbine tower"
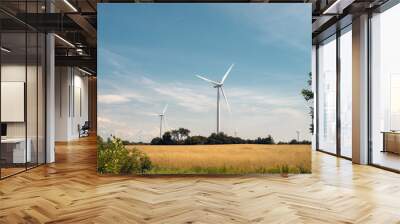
(220, 89)
(162, 119)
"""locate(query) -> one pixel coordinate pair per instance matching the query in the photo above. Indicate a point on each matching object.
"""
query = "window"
(327, 95)
(346, 92)
(395, 102)
(385, 89)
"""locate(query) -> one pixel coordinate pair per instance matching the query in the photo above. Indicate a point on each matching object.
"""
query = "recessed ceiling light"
(5, 50)
(337, 7)
(84, 71)
(64, 40)
(70, 5)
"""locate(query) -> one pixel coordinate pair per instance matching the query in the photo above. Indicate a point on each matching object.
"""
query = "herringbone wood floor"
(70, 191)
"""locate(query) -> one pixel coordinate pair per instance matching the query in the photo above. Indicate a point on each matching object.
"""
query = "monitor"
(3, 129)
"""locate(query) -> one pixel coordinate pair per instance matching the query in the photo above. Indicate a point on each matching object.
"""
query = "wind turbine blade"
(207, 80)
(226, 99)
(165, 109)
(227, 73)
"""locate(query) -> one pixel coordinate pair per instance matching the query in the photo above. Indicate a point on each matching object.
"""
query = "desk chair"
(84, 130)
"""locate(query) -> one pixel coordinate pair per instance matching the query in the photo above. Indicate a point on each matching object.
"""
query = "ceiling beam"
(84, 24)
(77, 61)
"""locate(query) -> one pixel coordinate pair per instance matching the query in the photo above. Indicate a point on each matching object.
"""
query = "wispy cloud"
(273, 29)
(249, 107)
(108, 126)
(201, 98)
(187, 98)
(120, 98)
(110, 98)
(115, 60)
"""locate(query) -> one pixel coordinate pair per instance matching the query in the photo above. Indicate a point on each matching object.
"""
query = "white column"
(50, 92)
(360, 90)
(50, 99)
(63, 99)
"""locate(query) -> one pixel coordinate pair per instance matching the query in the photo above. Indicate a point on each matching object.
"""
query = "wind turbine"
(162, 119)
(220, 89)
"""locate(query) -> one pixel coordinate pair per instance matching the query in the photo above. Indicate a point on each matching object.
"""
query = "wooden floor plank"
(70, 191)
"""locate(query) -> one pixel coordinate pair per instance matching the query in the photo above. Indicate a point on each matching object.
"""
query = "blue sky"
(149, 54)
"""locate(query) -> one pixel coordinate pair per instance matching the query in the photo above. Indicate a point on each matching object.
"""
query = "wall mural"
(204, 88)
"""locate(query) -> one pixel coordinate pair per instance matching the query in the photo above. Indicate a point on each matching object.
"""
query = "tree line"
(181, 136)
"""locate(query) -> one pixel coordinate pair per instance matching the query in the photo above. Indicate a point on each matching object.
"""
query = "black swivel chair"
(84, 130)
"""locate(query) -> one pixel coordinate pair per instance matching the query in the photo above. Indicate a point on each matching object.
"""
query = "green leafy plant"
(308, 95)
(284, 170)
(303, 169)
(114, 158)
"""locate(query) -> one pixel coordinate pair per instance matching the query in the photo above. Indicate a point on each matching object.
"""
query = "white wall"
(80, 115)
(33, 126)
(62, 82)
(10, 73)
(70, 83)
(17, 73)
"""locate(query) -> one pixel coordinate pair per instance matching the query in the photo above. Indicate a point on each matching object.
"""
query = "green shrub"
(284, 169)
(114, 158)
(303, 169)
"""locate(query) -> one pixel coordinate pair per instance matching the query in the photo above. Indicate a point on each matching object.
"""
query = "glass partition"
(13, 94)
(327, 95)
(22, 101)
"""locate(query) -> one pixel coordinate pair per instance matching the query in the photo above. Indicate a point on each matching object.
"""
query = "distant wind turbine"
(219, 87)
(162, 119)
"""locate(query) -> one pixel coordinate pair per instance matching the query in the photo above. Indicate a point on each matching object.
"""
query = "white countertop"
(13, 140)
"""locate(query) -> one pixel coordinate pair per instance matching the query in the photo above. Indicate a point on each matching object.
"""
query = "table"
(13, 150)
(391, 141)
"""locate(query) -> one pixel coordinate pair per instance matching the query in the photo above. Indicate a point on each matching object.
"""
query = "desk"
(391, 142)
(13, 150)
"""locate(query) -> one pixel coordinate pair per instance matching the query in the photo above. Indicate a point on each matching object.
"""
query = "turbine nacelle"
(218, 85)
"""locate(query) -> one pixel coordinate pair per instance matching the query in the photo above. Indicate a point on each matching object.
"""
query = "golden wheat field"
(230, 159)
